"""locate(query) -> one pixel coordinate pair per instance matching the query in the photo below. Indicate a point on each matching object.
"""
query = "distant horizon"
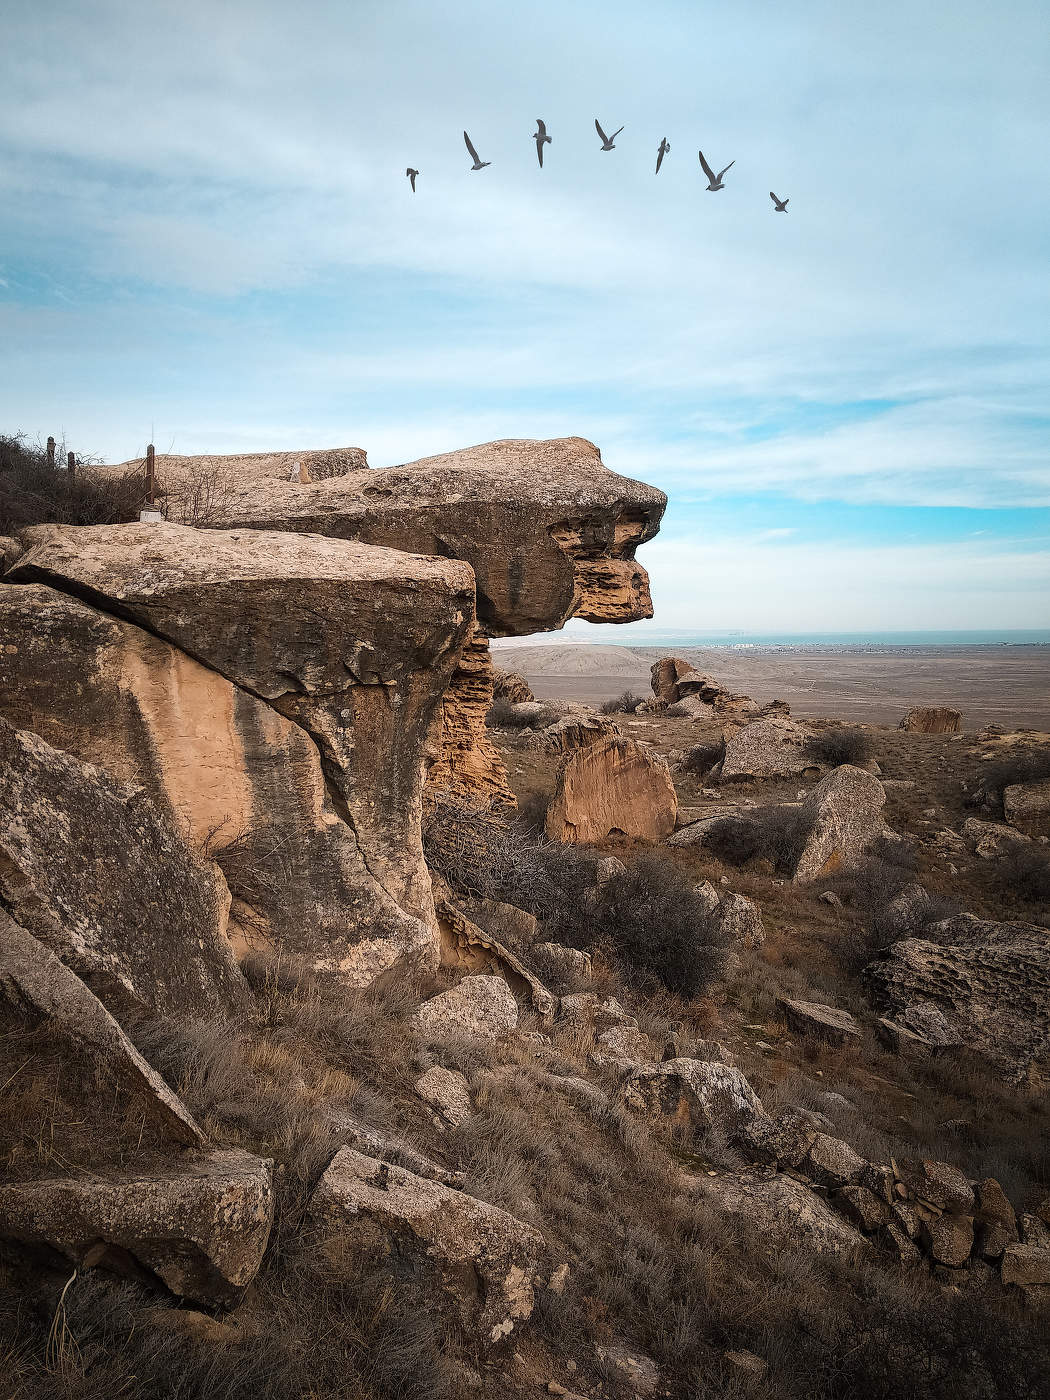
(734, 637)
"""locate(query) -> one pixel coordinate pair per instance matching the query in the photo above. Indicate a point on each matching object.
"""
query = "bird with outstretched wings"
(714, 182)
(478, 164)
(608, 142)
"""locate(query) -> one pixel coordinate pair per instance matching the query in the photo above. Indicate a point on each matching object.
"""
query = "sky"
(207, 240)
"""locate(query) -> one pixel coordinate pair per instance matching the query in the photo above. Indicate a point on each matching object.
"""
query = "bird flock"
(541, 137)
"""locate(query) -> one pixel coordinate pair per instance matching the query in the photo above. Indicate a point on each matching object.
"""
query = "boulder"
(691, 707)
(768, 748)
(448, 1094)
(625, 1045)
(921, 1030)
(10, 552)
(484, 1261)
(612, 788)
(991, 840)
(827, 1023)
(1025, 1265)
(832, 1162)
(703, 1094)
(843, 818)
(200, 1224)
(348, 1131)
(579, 731)
(666, 673)
(782, 1141)
(862, 1208)
(989, 980)
(949, 1239)
(466, 765)
(39, 993)
(1025, 803)
(739, 920)
(781, 1211)
(937, 1184)
(509, 686)
(94, 871)
(1033, 1231)
(477, 1006)
(570, 963)
(587, 1013)
(468, 948)
(930, 719)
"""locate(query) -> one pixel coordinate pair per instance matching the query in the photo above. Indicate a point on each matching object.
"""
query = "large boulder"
(1025, 803)
(932, 719)
(95, 872)
(991, 840)
(480, 1006)
(814, 1019)
(484, 1261)
(291, 705)
(775, 747)
(200, 1224)
(989, 980)
(780, 1211)
(842, 818)
(612, 788)
(702, 1094)
(509, 686)
(666, 674)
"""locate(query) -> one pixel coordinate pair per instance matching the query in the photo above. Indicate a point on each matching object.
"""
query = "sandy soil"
(1008, 685)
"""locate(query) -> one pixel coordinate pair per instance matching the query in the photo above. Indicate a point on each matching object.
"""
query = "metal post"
(71, 465)
(149, 474)
(51, 451)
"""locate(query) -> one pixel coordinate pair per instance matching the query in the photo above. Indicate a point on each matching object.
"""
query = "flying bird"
(541, 138)
(714, 182)
(661, 151)
(781, 204)
(608, 142)
(478, 164)
(412, 177)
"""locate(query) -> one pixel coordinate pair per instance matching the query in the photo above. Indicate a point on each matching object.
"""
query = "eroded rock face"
(990, 981)
(98, 875)
(768, 748)
(843, 817)
(932, 719)
(483, 1260)
(337, 657)
(468, 767)
(613, 787)
(509, 686)
(666, 673)
(39, 993)
(201, 1225)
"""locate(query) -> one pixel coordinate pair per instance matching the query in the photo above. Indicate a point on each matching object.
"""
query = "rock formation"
(1026, 804)
(930, 719)
(768, 748)
(842, 819)
(612, 788)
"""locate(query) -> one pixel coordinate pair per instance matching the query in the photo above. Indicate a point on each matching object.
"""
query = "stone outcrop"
(39, 994)
(991, 840)
(509, 686)
(842, 817)
(828, 1023)
(467, 766)
(612, 788)
(932, 719)
(292, 702)
(769, 748)
(485, 1262)
(201, 1225)
(666, 674)
(194, 490)
(98, 875)
(481, 1006)
(703, 1094)
(990, 981)
(781, 1210)
(1027, 803)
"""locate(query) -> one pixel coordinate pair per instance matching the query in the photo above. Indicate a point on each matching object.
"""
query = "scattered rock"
(832, 1162)
(705, 1094)
(612, 788)
(843, 818)
(1026, 1265)
(827, 1023)
(573, 732)
(477, 1006)
(937, 1184)
(1027, 802)
(949, 1239)
(929, 719)
(781, 1210)
(862, 1208)
(200, 1224)
(768, 748)
(571, 963)
(625, 1044)
(348, 1131)
(367, 1212)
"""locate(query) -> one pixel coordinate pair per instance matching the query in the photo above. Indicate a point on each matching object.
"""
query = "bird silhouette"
(781, 204)
(608, 142)
(412, 177)
(661, 151)
(478, 164)
(714, 182)
(541, 138)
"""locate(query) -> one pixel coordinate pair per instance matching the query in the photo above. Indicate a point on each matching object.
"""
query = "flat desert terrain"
(1008, 685)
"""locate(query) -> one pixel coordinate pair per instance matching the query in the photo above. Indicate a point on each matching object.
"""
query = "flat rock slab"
(781, 1211)
(768, 748)
(484, 1261)
(477, 1006)
(827, 1023)
(1027, 802)
(200, 1225)
(613, 788)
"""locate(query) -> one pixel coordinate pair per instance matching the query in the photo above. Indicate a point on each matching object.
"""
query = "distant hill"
(561, 659)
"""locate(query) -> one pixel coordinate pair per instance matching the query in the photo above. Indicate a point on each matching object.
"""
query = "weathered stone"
(468, 948)
(10, 552)
(949, 1239)
(862, 1208)
(768, 748)
(573, 732)
(608, 868)
(612, 788)
(639, 1373)
(504, 922)
(467, 766)
(1025, 803)
(991, 982)
(200, 1224)
(706, 1095)
(448, 1093)
(996, 1220)
(832, 1162)
(477, 1006)
(938, 1184)
(1034, 1232)
(991, 840)
(897, 1239)
(1025, 1265)
(197, 488)
(691, 707)
(747, 1363)
(348, 1131)
(586, 1011)
(781, 1211)
(93, 870)
(929, 719)
(38, 987)
(827, 1023)
(486, 1262)
(783, 1140)
(920, 1031)
(739, 920)
(626, 1044)
(699, 828)
(566, 962)
(509, 686)
(842, 817)
(666, 673)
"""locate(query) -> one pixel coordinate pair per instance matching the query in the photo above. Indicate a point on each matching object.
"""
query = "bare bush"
(625, 703)
(699, 761)
(837, 746)
(35, 491)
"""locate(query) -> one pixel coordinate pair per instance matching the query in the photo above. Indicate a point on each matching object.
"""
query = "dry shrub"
(35, 492)
(837, 746)
(702, 758)
(1029, 766)
(777, 834)
(623, 704)
(1022, 877)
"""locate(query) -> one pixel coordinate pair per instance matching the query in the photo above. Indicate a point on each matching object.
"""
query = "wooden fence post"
(51, 451)
(71, 465)
(150, 468)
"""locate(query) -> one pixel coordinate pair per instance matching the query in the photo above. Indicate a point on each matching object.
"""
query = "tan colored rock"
(666, 673)
(195, 490)
(1025, 1265)
(781, 1211)
(483, 1260)
(1026, 803)
(566, 962)
(468, 766)
(739, 920)
(937, 1184)
(991, 840)
(467, 947)
(573, 732)
(704, 1094)
(862, 1208)
(827, 1023)
(949, 1239)
(691, 707)
(477, 1006)
(448, 1093)
(509, 686)
(625, 1045)
(784, 1140)
(989, 980)
(768, 748)
(832, 1162)
(200, 1224)
(747, 1363)
(10, 552)
(843, 817)
(97, 874)
(612, 788)
(930, 719)
(40, 992)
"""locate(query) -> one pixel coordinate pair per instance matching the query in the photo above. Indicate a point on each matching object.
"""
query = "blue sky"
(207, 238)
